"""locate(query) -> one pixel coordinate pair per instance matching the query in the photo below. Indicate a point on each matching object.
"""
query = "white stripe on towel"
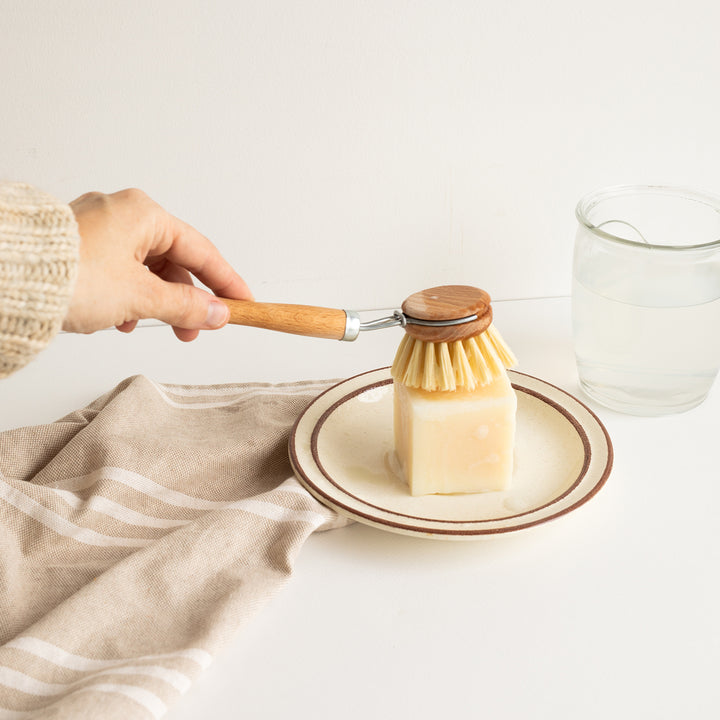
(108, 507)
(60, 525)
(233, 396)
(278, 513)
(173, 497)
(66, 528)
(141, 484)
(57, 656)
(97, 668)
(265, 388)
(25, 683)
(30, 686)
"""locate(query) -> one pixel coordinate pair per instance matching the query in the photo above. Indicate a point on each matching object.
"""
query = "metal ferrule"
(352, 325)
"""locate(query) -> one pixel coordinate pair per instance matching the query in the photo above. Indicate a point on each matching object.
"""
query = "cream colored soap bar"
(456, 442)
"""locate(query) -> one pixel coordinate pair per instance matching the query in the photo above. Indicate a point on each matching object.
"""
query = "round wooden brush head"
(448, 302)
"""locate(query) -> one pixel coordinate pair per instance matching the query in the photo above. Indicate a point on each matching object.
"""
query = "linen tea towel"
(137, 535)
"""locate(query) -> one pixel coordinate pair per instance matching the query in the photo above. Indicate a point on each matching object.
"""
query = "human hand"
(125, 235)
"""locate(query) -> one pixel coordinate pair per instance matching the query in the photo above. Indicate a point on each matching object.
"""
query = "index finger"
(188, 248)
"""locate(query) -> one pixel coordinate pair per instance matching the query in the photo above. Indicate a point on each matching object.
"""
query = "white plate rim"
(329, 491)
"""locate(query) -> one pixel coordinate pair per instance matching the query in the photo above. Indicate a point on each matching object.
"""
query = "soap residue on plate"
(388, 475)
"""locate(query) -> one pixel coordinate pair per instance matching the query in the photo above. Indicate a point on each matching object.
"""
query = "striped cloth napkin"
(136, 536)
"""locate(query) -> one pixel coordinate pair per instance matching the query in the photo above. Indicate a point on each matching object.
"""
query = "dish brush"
(449, 344)
(448, 357)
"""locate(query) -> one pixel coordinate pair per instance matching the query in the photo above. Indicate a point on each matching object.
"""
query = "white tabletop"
(609, 611)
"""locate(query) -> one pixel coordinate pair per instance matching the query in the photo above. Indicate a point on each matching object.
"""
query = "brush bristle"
(460, 365)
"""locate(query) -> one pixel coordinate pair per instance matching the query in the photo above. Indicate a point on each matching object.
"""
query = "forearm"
(39, 244)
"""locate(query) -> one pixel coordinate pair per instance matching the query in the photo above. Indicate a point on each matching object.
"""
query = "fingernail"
(218, 314)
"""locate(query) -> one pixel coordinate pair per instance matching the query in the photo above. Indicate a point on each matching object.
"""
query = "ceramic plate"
(342, 451)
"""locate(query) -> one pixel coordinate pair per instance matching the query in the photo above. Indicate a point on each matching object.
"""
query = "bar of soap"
(455, 442)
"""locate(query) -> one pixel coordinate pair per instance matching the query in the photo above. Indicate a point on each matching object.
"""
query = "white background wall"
(349, 153)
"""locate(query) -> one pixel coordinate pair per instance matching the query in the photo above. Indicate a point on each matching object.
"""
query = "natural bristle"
(447, 366)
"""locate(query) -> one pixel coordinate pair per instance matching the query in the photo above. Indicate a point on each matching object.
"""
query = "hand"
(137, 261)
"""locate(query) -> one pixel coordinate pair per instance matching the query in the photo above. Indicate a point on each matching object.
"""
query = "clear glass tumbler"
(646, 297)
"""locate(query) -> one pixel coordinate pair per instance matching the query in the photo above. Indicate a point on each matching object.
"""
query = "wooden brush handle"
(295, 319)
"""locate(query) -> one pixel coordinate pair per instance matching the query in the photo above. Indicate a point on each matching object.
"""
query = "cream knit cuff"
(39, 250)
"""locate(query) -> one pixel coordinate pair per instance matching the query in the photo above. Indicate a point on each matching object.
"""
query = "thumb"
(183, 305)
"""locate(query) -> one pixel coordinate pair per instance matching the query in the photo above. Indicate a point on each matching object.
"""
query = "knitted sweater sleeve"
(39, 246)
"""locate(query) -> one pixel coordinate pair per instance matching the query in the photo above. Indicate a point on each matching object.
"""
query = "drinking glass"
(646, 297)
